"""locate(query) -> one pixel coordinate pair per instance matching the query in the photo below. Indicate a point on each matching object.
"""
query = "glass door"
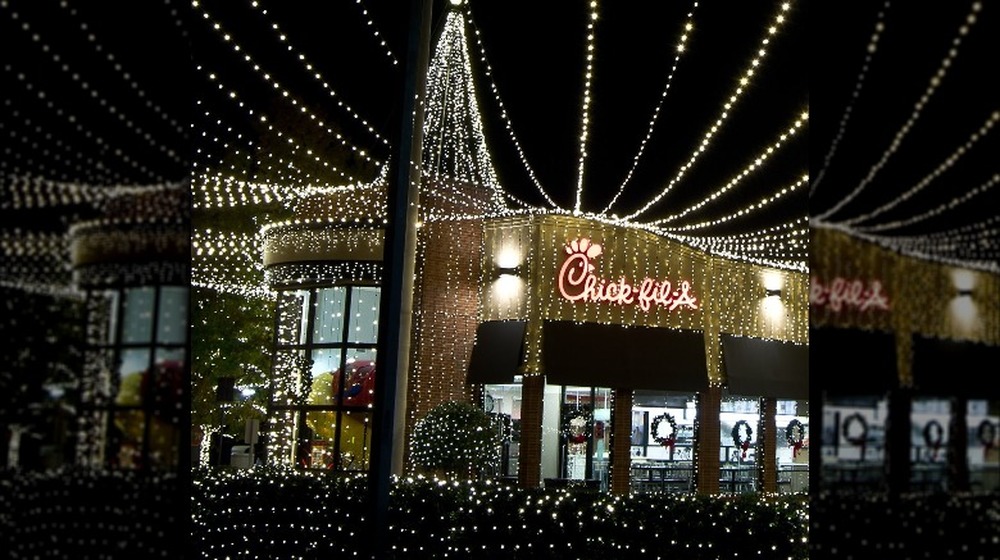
(585, 431)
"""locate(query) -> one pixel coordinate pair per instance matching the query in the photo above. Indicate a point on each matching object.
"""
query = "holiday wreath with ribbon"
(862, 438)
(795, 435)
(933, 437)
(738, 440)
(671, 438)
(576, 424)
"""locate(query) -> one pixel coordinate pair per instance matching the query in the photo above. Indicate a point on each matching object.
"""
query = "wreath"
(576, 424)
(671, 438)
(795, 435)
(860, 439)
(738, 441)
(933, 436)
(986, 434)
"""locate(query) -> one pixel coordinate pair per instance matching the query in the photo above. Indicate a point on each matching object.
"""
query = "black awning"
(955, 368)
(852, 361)
(591, 354)
(498, 352)
(766, 368)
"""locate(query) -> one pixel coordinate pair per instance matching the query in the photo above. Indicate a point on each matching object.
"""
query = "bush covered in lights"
(93, 513)
(456, 438)
(301, 514)
(876, 525)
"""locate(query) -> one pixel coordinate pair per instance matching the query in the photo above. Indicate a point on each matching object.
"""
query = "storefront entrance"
(584, 435)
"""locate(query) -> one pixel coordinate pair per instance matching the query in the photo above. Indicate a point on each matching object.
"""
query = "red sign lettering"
(577, 282)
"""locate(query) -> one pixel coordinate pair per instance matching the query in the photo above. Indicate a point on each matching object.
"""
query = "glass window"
(364, 316)
(329, 322)
(359, 383)
(663, 441)
(929, 420)
(739, 420)
(132, 376)
(124, 441)
(326, 363)
(983, 420)
(172, 325)
(137, 314)
(792, 446)
(151, 374)
(336, 327)
(853, 442)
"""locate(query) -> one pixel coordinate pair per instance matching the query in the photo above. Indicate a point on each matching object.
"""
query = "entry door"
(585, 433)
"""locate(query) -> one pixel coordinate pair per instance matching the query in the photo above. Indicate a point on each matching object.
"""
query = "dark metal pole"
(400, 233)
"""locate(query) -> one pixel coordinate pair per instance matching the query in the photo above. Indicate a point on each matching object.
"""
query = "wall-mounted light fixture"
(776, 292)
(965, 292)
(508, 271)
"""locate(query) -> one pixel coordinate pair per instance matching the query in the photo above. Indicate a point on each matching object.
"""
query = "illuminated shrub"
(456, 438)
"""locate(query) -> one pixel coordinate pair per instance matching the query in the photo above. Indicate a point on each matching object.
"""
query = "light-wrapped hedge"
(287, 514)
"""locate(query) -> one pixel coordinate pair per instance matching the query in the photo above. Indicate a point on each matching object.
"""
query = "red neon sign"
(852, 293)
(577, 282)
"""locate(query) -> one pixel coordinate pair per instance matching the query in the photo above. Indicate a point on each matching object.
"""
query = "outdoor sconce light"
(776, 292)
(965, 292)
(508, 271)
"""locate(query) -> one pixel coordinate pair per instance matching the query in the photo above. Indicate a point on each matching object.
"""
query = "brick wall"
(529, 473)
(709, 403)
(446, 305)
(621, 442)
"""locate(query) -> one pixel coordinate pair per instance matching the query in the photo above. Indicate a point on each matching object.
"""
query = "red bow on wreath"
(745, 445)
(795, 448)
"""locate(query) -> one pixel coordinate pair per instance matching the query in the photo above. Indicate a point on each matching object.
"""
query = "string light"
(585, 109)
(74, 122)
(963, 198)
(110, 57)
(288, 140)
(36, 192)
(227, 262)
(855, 94)
(73, 159)
(681, 49)
(285, 93)
(941, 168)
(95, 94)
(755, 164)
(767, 200)
(282, 185)
(742, 85)
(495, 517)
(317, 75)
(918, 107)
(506, 118)
(774, 246)
(375, 33)
(454, 145)
(221, 191)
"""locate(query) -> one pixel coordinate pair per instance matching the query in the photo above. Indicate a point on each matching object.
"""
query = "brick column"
(958, 441)
(621, 442)
(767, 462)
(529, 468)
(897, 441)
(707, 440)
